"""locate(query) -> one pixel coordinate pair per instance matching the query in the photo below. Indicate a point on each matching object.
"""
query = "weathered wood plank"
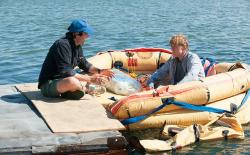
(70, 115)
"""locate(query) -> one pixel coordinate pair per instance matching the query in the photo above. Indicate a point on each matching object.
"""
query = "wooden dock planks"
(70, 115)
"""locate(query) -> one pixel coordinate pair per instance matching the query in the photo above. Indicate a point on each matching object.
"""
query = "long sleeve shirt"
(175, 71)
(61, 60)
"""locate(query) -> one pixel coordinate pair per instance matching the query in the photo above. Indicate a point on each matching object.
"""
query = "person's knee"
(71, 81)
(69, 84)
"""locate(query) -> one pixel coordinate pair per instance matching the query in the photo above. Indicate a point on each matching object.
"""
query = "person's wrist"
(92, 79)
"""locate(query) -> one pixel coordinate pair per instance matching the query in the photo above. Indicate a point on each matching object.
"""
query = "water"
(215, 28)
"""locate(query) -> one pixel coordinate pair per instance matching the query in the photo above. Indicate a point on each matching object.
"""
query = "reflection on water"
(217, 29)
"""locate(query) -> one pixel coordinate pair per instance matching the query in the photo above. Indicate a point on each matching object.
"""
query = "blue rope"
(199, 108)
(139, 118)
(244, 99)
(183, 105)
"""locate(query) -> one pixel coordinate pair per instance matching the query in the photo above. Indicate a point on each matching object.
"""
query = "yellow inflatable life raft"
(229, 84)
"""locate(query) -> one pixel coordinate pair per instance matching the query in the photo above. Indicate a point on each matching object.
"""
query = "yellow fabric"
(213, 88)
(188, 117)
(187, 135)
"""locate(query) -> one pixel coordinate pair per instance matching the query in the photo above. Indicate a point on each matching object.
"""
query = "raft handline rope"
(183, 105)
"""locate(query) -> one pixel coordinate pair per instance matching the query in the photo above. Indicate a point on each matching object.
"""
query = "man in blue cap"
(58, 77)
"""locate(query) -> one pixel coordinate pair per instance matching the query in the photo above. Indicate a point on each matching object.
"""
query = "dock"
(24, 131)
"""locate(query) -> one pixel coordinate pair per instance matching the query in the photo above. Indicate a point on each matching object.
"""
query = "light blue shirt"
(191, 66)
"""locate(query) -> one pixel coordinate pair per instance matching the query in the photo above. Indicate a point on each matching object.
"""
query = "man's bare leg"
(70, 84)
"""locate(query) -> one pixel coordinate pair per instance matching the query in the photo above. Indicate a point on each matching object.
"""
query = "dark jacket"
(62, 58)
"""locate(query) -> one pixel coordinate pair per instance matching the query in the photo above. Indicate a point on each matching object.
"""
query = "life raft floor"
(23, 129)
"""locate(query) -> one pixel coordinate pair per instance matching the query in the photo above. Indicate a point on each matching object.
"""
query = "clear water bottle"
(96, 90)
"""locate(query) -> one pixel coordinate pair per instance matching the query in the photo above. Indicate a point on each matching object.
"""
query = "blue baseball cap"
(79, 25)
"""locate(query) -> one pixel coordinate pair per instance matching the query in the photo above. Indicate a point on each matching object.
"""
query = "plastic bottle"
(96, 90)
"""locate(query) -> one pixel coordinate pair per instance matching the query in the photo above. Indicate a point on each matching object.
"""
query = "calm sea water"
(216, 28)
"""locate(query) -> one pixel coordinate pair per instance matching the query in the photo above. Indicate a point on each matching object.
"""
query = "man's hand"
(99, 79)
(107, 72)
(143, 80)
(163, 89)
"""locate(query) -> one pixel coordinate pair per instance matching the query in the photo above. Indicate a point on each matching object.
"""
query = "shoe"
(75, 95)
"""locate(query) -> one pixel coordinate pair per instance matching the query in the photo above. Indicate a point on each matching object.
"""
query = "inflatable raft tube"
(231, 80)
(210, 89)
(186, 117)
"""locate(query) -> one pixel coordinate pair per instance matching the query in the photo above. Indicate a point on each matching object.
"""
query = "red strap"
(148, 50)
(160, 94)
(132, 62)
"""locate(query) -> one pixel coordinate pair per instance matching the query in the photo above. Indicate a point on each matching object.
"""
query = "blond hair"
(179, 40)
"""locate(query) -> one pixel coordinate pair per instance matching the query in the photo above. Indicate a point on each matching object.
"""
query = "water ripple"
(217, 29)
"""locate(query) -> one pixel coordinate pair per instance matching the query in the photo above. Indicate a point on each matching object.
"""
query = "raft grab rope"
(184, 105)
